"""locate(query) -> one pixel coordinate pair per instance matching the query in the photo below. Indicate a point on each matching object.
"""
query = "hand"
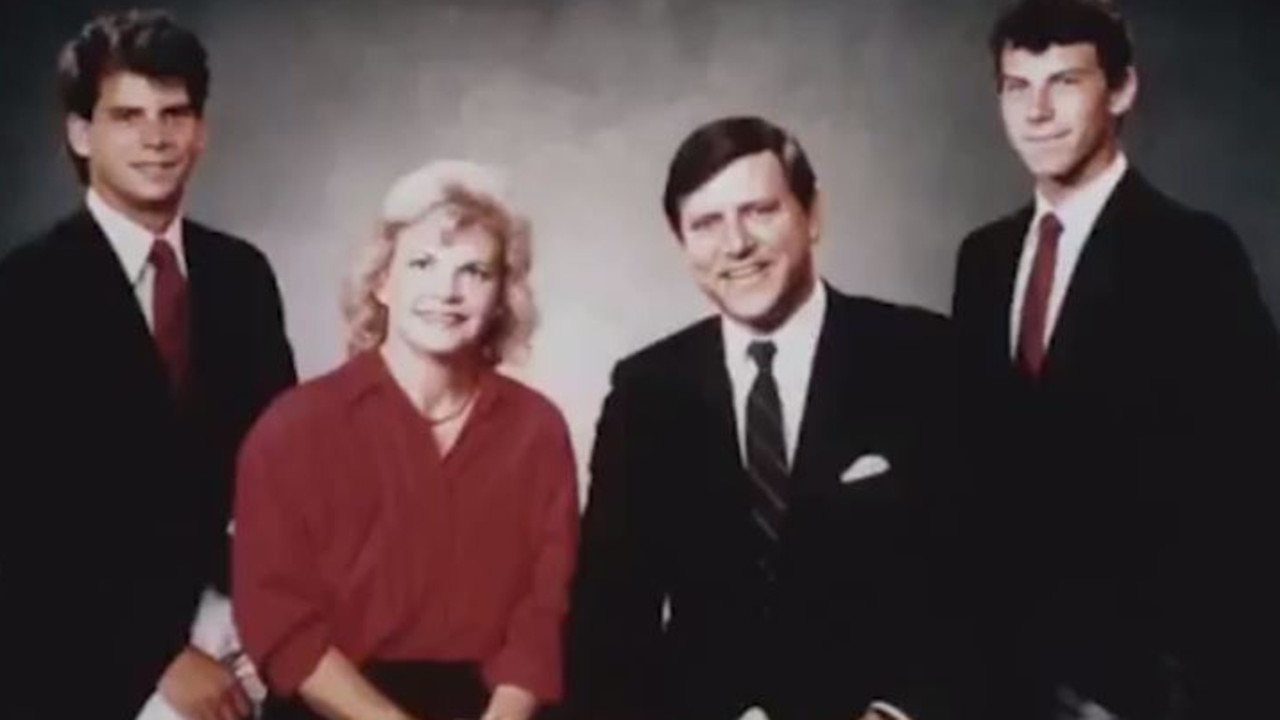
(510, 703)
(201, 688)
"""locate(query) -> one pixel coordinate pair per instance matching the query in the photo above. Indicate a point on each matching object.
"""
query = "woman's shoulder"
(313, 404)
(528, 402)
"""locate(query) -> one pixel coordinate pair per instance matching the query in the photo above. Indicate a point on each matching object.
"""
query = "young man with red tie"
(1124, 379)
(140, 346)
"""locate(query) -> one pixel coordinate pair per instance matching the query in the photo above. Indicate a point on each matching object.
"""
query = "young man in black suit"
(1126, 374)
(139, 348)
(758, 539)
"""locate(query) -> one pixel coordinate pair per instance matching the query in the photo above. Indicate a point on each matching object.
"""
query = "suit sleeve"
(12, 425)
(977, 557)
(925, 654)
(1227, 364)
(615, 626)
(532, 656)
(275, 362)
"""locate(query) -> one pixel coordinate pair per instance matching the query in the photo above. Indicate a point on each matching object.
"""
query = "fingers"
(233, 704)
(240, 700)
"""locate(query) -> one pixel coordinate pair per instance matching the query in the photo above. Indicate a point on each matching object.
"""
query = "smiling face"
(442, 286)
(1060, 115)
(140, 143)
(749, 242)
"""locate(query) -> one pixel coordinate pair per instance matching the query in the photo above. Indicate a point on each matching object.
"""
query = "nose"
(1040, 108)
(444, 285)
(155, 133)
(738, 241)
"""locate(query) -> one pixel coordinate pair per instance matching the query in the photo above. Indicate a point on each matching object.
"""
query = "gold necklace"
(453, 414)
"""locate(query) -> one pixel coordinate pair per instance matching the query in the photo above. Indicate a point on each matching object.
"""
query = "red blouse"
(352, 531)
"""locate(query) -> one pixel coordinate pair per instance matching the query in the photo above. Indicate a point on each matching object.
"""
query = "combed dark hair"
(1036, 24)
(145, 42)
(715, 145)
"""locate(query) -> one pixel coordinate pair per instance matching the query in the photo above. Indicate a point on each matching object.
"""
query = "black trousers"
(426, 689)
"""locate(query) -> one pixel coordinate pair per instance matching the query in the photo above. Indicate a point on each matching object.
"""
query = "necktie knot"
(762, 353)
(1050, 228)
(162, 256)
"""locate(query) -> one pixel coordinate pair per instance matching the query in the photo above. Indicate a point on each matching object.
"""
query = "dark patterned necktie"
(766, 448)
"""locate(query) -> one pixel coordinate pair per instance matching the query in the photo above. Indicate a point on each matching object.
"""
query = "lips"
(1046, 139)
(744, 272)
(436, 317)
(155, 169)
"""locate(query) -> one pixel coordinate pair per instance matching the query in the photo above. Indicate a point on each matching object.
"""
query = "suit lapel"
(109, 300)
(1092, 282)
(205, 303)
(1004, 279)
(838, 397)
(714, 393)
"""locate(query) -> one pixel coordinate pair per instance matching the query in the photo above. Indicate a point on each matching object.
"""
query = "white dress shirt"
(132, 245)
(797, 342)
(1078, 214)
(212, 629)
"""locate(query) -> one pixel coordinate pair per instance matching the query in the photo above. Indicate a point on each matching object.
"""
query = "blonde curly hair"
(476, 196)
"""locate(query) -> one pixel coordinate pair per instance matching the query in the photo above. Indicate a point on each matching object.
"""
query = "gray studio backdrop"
(317, 105)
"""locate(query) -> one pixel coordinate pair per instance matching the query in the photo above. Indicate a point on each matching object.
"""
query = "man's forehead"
(1053, 58)
(744, 178)
(123, 85)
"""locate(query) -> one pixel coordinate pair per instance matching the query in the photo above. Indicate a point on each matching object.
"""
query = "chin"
(754, 315)
(153, 198)
(442, 348)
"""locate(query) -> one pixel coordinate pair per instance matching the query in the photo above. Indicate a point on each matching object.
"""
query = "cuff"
(889, 712)
(510, 667)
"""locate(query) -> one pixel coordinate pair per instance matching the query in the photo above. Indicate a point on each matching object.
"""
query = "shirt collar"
(131, 241)
(368, 374)
(797, 336)
(1081, 209)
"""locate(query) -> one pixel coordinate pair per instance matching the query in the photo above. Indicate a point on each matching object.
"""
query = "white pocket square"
(864, 467)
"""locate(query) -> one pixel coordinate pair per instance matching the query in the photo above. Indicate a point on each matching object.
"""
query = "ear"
(78, 135)
(1121, 99)
(201, 140)
(817, 217)
(380, 291)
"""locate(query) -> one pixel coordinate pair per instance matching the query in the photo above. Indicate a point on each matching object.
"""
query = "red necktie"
(169, 312)
(1035, 303)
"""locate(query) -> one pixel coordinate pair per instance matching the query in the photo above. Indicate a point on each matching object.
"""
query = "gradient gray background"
(317, 105)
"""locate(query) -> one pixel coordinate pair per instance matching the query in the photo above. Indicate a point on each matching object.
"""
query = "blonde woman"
(406, 524)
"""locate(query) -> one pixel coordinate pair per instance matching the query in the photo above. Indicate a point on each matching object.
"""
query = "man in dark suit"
(139, 347)
(1125, 380)
(757, 539)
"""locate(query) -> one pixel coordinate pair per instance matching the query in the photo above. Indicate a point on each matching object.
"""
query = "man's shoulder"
(912, 325)
(1012, 224)
(1154, 221)
(223, 245)
(665, 355)
(44, 251)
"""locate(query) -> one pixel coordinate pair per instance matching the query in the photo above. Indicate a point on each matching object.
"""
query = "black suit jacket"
(848, 620)
(1128, 513)
(115, 498)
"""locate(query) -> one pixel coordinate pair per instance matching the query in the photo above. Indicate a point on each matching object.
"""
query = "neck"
(433, 385)
(1059, 189)
(156, 217)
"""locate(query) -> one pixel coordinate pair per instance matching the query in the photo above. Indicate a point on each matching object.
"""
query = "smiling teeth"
(742, 273)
